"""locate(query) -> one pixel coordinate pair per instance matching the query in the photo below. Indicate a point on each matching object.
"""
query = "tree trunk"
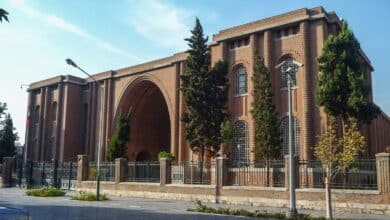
(267, 164)
(328, 198)
(201, 164)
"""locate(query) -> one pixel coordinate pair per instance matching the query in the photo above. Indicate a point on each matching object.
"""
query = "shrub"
(165, 154)
(87, 196)
(45, 192)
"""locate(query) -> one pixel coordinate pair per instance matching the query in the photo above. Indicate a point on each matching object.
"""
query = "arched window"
(241, 82)
(240, 148)
(289, 66)
(296, 136)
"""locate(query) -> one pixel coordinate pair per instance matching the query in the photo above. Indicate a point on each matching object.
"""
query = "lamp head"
(70, 62)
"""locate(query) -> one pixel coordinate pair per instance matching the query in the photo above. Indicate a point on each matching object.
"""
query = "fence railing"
(148, 171)
(107, 171)
(361, 175)
(261, 173)
(192, 172)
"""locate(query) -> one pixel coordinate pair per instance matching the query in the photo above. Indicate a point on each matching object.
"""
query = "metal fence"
(67, 175)
(107, 171)
(258, 173)
(192, 172)
(146, 171)
(360, 175)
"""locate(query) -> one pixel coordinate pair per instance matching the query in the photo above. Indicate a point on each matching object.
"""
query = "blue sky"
(102, 35)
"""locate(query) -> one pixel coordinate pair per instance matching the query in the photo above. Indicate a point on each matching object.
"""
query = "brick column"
(383, 172)
(165, 171)
(120, 170)
(7, 171)
(82, 168)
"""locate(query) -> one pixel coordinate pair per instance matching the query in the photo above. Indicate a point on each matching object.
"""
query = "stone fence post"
(120, 170)
(383, 172)
(7, 171)
(165, 171)
(82, 168)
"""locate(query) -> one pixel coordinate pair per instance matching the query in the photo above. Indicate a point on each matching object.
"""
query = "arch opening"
(150, 123)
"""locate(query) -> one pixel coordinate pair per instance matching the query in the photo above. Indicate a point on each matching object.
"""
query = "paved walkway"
(125, 208)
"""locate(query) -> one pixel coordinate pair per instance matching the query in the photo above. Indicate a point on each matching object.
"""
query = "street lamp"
(100, 141)
(290, 67)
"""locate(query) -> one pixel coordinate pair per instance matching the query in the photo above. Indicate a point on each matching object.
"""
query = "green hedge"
(86, 196)
(45, 192)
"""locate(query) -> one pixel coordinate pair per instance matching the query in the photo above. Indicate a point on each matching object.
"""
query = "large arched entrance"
(150, 124)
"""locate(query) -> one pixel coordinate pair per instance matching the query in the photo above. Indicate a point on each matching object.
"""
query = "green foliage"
(256, 214)
(343, 89)
(7, 138)
(267, 135)
(227, 129)
(3, 15)
(3, 107)
(205, 92)
(117, 144)
(165, 154)
(45, 192)
(86, 196)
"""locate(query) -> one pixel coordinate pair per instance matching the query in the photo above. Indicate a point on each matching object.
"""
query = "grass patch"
(255, 214)
(87, 196)
(45, 192)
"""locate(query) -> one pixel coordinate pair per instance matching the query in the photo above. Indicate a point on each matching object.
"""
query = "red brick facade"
(65, 109)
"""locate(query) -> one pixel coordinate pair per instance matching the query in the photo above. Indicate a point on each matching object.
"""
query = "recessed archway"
(150, 124)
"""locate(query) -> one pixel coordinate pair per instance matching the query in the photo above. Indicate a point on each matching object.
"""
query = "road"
(61, 208)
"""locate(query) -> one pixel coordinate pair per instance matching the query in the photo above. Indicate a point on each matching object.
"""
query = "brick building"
(64, 110)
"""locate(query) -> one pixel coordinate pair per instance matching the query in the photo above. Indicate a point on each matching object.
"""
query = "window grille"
(240, 148)
(296, 136)
(241, 81)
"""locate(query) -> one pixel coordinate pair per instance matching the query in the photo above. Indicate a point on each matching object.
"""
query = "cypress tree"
(267, 136)
(7, 138)
(117, 144)
(343, 89)
(205, 94)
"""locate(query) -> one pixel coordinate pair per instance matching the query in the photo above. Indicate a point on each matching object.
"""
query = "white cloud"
(71, 28)
(164, 24)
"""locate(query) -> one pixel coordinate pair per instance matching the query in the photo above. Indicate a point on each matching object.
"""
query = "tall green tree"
(343, 89)
(3, 15)
(205, 90)
(267, 136)
(117, 144)
(7, 138)
(3, 107)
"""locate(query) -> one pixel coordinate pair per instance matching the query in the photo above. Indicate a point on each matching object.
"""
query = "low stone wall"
(356, 201)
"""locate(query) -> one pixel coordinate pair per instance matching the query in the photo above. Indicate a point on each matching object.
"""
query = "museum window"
(241, 81)
(240, 148)
(293, 68)
(295, 139)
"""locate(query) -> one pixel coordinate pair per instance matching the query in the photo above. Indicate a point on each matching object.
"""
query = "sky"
(102, 35)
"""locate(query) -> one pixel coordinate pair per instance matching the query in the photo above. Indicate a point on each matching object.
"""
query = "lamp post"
(290, 67)
(100, 141)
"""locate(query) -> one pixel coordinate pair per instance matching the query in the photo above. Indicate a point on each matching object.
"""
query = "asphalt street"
(61, 208)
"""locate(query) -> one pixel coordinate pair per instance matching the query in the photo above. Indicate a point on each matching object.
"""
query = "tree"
(337, 154)
(267, 136)
(117, 144)
(3, 15)
(3, 107)
(343, 90)
(7, 138)
(227, 129)
(205, 90)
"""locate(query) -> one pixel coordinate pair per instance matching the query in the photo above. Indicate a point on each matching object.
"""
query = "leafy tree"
(117, 144)
(3, 15)
(227, 129)
(7, 138)
(165, 154)
(3, 107)
(337, 154)
(343, 92)
(343, 89)
(205, 93)
(267, 135)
